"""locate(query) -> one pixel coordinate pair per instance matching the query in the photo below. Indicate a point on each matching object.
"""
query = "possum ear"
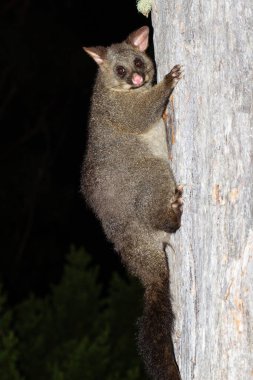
(98, 53)
(139, 38)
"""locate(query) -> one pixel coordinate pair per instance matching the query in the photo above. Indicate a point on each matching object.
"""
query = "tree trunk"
(212, 155)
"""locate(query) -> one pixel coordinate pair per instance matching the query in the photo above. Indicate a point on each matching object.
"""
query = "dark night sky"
(45, 85)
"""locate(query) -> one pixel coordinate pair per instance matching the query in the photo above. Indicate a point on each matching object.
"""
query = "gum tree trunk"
(211, 133)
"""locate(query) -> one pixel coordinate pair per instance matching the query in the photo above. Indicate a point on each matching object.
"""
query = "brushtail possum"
(127, 181)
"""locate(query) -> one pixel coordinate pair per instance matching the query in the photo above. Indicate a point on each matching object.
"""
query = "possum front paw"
(176, 209)
(175, 75)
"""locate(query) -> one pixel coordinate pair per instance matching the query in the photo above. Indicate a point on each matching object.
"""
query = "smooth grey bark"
(212, 155)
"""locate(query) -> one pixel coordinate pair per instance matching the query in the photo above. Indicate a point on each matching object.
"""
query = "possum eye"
(138, 63)
(121, 71)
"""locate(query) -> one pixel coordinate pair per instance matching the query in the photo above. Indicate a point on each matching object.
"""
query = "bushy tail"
(155, 330)
(142, 253)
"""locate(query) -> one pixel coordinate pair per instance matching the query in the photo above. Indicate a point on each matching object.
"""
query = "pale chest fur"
(155, 140)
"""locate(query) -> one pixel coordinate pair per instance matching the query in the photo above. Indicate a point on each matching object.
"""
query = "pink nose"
(137, 79)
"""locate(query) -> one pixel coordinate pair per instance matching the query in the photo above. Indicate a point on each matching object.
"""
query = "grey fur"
(127, 181)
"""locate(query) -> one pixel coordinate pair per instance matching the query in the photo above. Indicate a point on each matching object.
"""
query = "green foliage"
(124, 307)
(8, 345)
(74, 333)
(144, 6)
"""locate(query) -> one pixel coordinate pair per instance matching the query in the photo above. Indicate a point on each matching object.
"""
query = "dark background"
(45, 87)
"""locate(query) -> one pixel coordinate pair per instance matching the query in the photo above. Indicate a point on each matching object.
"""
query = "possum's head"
(125, 65)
